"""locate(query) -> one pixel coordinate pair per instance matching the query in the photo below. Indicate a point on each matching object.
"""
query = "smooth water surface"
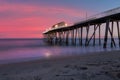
(17, 50)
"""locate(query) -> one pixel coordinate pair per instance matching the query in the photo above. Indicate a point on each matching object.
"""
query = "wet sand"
(96, 66)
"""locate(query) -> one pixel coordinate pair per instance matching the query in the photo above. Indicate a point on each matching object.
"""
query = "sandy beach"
(96, 66)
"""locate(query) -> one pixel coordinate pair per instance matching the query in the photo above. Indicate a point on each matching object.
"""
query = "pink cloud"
(27, 18)
(44, 9)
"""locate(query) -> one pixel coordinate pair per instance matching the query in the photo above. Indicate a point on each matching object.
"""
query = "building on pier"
(60, 24)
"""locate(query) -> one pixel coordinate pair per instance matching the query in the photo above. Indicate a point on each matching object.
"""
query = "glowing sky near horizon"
(29, 18)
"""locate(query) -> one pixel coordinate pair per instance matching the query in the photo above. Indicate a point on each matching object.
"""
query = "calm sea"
(18, 50)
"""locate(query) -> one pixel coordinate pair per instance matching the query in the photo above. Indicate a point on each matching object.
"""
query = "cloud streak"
(19, 17)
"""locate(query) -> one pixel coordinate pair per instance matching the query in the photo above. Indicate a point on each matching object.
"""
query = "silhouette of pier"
(109, 18)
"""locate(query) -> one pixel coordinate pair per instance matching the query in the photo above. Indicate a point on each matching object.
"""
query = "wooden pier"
(82, 29)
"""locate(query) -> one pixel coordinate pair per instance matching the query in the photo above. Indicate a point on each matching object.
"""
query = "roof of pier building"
(60, 24)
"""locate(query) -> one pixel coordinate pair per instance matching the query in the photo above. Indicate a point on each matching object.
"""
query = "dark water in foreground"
(17, 50)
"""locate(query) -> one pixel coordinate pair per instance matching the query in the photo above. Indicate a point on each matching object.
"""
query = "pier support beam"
(87, 29)
(73, 37)
(99, 34)
(76, 36)
(67, 37)
(118, 31)
(112, 39)
(106, 34)
(94, 35)
(56, 40)
(81, 36)
(112, 34)
(60, 38)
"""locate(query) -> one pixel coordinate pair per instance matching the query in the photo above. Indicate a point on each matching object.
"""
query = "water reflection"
(48, 54)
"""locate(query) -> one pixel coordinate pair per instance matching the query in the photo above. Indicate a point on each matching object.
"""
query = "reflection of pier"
(109, 18)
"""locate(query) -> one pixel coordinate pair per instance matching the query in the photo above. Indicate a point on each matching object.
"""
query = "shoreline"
(96, 66)
(34, 59)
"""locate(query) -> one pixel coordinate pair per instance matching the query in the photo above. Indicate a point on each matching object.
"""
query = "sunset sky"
(29, 18)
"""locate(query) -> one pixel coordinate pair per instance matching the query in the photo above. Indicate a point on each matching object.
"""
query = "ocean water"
(18, 50)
